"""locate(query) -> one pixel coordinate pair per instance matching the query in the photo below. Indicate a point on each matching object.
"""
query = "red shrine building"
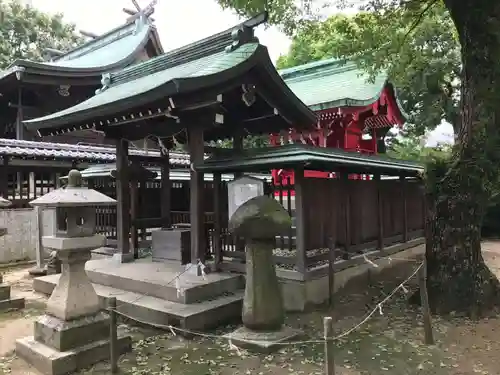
(355, 113)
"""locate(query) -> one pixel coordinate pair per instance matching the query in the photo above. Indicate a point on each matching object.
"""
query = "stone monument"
(259, 220)
(7, 302)
(73, 333)
(241, 190)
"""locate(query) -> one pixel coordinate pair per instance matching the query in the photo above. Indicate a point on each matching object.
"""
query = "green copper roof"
(213, 62)
(145, 77)
(115, 49)
(333, 83)
(311, 157)
(108, 49)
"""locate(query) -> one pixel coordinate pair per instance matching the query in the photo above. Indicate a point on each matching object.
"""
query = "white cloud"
(443, 134)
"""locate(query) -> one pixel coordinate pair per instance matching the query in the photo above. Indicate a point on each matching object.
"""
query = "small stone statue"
(54, 263)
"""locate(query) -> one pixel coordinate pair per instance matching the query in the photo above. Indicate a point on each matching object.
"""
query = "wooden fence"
(350, 216)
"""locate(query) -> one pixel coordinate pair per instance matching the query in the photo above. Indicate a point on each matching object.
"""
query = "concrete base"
(262, 342)
(123, 258)
(300, 293)
(49, 361)
(12, 304)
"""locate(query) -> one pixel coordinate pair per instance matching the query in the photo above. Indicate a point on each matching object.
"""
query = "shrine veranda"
(225, 87)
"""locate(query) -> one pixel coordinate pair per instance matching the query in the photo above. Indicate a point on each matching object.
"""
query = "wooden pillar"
(300, 223)
(134, 215)
(404, 204)
(4, 178)
(197, 207)
(20, 116)
(217, 244)
(346, 187)
(380, 213)
(238, 147)
(123, 200)
(166, 187)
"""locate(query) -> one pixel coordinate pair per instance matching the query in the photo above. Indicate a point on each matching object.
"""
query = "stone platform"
(147, 291)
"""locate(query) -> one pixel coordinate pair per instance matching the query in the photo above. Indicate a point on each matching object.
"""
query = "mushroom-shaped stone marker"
(259, 220)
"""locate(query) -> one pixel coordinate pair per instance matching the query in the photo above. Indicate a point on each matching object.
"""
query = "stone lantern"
(73, 333)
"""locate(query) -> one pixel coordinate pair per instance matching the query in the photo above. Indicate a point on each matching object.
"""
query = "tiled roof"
(333, 83)
(129, 84)
(135, 90)
(31, 149)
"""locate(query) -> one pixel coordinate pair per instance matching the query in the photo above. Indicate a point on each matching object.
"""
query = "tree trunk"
(458, 191)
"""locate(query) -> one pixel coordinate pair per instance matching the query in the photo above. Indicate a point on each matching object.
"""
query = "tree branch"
(419, 19)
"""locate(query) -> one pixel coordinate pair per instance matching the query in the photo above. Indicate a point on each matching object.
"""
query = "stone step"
(153, 310)
(15, 303)
(4, 292)
(161, 283)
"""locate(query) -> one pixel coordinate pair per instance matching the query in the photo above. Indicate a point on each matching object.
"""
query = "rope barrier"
(377, 308)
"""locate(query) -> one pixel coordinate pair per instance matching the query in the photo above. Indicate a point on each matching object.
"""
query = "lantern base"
(62, 347)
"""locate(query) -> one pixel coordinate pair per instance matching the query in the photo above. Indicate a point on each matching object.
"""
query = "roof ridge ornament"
(105, 82)
(244, 33)
(143, 15)
(241, 35)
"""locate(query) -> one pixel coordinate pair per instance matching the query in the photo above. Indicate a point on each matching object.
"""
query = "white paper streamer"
(172, 330)
(202, 269)
(369, 261)
(233, 347)
(180, 291)
(380, 309)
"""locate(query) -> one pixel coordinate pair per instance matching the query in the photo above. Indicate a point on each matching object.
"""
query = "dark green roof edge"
(288, 155)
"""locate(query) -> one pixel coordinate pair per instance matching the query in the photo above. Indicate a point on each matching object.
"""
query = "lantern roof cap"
(74, 194)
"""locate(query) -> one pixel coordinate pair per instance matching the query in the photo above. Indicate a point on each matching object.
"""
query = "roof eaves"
(302, 154)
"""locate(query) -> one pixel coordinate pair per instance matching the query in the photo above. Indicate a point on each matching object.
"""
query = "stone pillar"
(259, 220)
(7, 302)
(73, 333)
(39, 269)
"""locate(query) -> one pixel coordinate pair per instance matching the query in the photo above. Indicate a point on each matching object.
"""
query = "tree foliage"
(458, 188)
(424, 64)
(413, 148)
(25, 33)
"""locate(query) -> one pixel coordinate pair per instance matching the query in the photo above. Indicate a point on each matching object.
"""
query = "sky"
(179, 22)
